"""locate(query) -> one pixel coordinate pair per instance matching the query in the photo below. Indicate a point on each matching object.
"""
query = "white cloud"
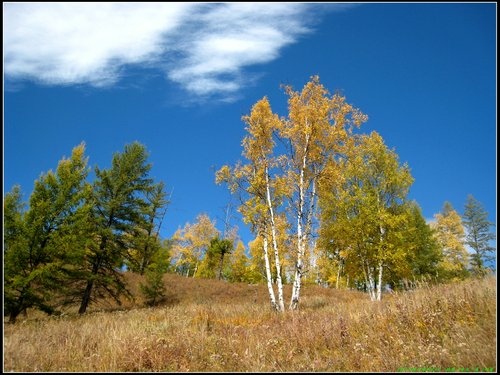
(66, 43)
(202, 47)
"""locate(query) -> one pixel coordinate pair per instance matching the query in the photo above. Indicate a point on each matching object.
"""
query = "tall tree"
(260, 192)
(317, 127)
(119, 203)
(450, 235)
(44, 246)
(478, 235)
(364, 208)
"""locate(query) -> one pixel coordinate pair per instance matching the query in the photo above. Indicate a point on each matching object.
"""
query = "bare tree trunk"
(277, 261)
(268, 274)
(380, 263)
(299, 265)
(370, 281)
(195, 269)
(379, 286)
(338, 277)
(87, 293)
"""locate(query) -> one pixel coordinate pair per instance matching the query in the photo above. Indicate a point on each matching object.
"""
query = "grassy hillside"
(210, 325)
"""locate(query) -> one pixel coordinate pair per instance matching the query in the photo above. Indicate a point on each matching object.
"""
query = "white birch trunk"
(268, 273)
(195, 269)
(380, 264)
(379, 286)
(281, 304)
(294, 303)
(370, 281)
(338, 277)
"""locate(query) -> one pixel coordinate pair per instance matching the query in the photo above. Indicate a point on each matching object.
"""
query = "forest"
(327, 205)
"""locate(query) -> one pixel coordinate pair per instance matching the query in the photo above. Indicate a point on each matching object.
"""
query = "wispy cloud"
(68, 43)
(204, 48)
(230, 37)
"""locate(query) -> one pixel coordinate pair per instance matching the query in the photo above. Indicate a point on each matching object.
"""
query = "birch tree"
(363, 209)
(258, 189)
(316, 129)
(190, 245)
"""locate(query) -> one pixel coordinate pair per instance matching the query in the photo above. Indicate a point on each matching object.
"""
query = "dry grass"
(207, 325)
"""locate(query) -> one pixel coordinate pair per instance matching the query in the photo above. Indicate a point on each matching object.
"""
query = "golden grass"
(209, 325)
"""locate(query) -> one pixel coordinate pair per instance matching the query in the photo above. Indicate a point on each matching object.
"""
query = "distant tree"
(190, 244)
(221, 247)
(256, 272)
(44, 246)
(450, 235)
(239, 264)
(119, 205)
(478, 235)
(208, 265)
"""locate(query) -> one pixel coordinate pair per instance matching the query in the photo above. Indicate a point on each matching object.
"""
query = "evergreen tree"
(144, 239)
(154, 288)
(119, 204)
(44, 246)
(478, 235)
(426, 254)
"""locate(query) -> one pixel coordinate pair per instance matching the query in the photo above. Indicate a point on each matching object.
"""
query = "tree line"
(327, 204)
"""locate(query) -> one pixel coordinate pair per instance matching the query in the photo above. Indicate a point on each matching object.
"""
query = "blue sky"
(178, 77)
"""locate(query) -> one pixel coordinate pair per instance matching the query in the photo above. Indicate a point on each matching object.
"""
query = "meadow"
(215, 326)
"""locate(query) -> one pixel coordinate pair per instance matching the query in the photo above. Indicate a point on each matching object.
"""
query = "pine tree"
(154, 288)
(424, 252)
(478, 235)
(119, 203)
(144, 240)
(44, 246)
